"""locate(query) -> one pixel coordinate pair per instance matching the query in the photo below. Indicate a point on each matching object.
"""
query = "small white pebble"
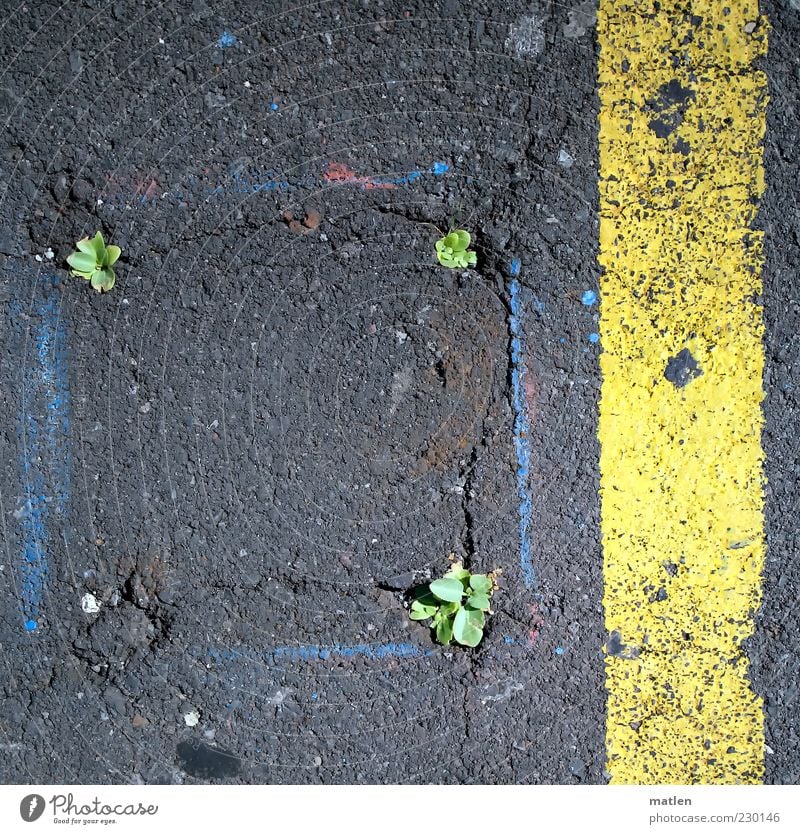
(565, 159)
(750, 27)
(247, 84)
(191, 718)
(89, 604)
(49, 254)
(37, 258)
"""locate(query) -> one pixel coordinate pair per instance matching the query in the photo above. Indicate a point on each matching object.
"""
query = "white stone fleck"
(191, 718)
(565, 159)
(90, 604)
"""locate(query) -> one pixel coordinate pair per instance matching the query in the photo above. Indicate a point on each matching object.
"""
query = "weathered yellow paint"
(682, 123)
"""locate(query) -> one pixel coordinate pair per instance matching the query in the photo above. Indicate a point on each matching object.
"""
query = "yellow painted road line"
(682, 123)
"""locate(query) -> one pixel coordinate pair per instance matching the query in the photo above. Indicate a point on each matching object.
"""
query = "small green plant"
(456, 604)
(94, 261)
(453, 250)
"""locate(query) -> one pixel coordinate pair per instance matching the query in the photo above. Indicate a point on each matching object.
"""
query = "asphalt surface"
(286, 415)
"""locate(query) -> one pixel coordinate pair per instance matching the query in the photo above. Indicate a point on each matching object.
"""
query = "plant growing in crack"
(453, 250)
(94, 261)
(457, 605)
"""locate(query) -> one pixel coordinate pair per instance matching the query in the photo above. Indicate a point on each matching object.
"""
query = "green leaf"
(85, 245)
(479, 602)
(458, 573)
(449, 608)
(444, 632)
(465, 631)
(463, 239)
(471, 258)
(446, 259)
(451, 241)
(99, 246)
(477, 618)
(103, 279)
(480, 583)
(82, 262)
(449, 590)
(85, 275)
(422, 612)
(112, 254)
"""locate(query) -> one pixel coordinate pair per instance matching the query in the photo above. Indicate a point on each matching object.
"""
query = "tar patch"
(200, 759)
(682, 369)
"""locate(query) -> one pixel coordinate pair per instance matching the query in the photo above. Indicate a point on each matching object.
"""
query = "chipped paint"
(682, 123)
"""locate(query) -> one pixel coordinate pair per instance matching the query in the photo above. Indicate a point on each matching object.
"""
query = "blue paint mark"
(521, 434)
(273, 106)
(594, 338)
(373, 652)
(245, 183)
(507, 639)
(588, 298)
(310, 653)
(515, 267)
(559, 650)
(437, 169)
(43, 428)
(226, 39)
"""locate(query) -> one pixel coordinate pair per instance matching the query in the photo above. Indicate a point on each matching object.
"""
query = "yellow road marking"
(682, 122)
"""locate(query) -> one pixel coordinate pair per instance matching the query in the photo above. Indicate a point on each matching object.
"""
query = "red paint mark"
(338, 172)
(537, 621)
(151, 190)
(370, 183)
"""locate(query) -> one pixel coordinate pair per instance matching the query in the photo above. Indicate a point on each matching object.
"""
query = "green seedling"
(457, 605)
(453, 250)
(94, 261)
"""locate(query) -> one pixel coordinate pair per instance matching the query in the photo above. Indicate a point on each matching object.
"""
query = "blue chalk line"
(521, 429)
(43, 428)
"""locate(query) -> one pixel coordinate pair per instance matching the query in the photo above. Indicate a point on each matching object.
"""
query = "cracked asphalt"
(220, 481)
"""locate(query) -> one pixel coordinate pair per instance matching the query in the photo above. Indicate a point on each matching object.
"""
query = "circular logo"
(32, 807)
